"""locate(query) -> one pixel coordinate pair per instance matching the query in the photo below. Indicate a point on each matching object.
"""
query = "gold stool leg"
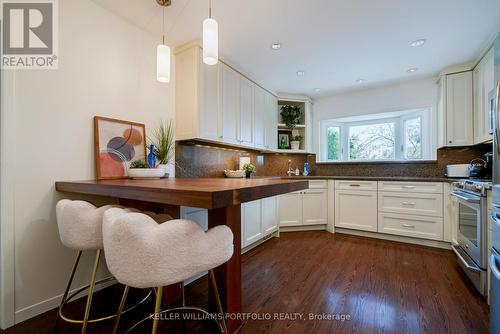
(67, 288)
(159, 294)
(120, 309)
(219, 305)
(91, 291)
(183, 294)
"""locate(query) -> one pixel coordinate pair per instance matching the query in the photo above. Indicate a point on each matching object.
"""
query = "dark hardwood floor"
(366, 285)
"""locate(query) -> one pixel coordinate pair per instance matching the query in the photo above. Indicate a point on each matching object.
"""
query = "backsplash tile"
(196, 159)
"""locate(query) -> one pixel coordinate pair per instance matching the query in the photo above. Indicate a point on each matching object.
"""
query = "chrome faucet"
(290, 170)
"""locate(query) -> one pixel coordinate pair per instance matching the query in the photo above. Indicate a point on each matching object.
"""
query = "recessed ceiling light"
(300, 73)
(412, 70)
(317, 90)
(360, 81)
(418, 42)
(276, 46)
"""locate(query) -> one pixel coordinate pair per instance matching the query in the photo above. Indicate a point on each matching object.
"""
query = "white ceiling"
(335, 42)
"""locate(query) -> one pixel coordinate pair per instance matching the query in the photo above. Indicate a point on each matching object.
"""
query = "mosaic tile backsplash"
(196, 159)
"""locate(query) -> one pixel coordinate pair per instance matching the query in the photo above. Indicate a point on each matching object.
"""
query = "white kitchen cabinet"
(411, 203)
(251, 222)
(269, 215)
(411, 226)
(290, 209)
(314, 207)
(483, 86)
(246, 112)
(356, 209)
(196, 96)
(229, 104)
(455, 110)
(271, 119)
(260, 117)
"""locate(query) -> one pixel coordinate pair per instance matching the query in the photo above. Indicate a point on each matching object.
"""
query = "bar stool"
(143, 254)
(80, 228)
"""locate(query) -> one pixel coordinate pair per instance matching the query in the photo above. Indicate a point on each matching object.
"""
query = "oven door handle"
(465, 198)
(468, 264)
(495, 219)
(494, 267)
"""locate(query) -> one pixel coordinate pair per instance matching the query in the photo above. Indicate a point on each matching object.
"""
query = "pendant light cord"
(209, 9)
(163, 26)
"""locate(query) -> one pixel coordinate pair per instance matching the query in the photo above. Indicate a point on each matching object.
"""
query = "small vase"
(151, 157)
(248, 174)
(295, 145)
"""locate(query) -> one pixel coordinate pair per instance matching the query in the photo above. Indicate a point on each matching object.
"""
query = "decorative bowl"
(235, 173)
(146, 173)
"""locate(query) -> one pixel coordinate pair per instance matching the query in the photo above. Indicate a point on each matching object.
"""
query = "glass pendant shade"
(210, 42)
(163, 63)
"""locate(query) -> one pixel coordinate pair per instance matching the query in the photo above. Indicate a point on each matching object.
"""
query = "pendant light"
(163, 51)
(210, 39)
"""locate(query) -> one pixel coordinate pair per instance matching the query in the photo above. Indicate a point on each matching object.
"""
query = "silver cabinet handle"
(408, 203)
(355, 185)
(408, 225)
(409, 187)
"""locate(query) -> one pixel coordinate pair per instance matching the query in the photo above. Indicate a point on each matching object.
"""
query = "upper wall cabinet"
(217, 103)
(196, 96)
(229, 104)
(455, 110)
(483, 88)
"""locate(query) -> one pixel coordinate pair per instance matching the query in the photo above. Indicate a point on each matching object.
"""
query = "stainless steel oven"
(472, 230)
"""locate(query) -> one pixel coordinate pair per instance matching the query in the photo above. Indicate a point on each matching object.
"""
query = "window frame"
(399, 122)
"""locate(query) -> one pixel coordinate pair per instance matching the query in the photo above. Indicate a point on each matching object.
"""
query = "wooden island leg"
(228, 276)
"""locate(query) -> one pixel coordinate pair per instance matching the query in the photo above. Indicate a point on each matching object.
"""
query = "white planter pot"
(165, 169)
(295, 145)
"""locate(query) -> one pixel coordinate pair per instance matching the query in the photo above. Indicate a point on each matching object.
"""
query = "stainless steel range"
(472, 229)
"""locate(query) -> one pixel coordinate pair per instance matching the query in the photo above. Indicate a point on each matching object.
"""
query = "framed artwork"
(117, 143)
(284, 137)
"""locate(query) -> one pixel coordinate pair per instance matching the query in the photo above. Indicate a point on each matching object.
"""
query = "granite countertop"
(374, 178)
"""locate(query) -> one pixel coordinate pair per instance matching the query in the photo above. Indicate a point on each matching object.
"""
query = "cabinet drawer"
(411, 226)
(411, 203)
(356, 185)
(317, 184)
(413, 187)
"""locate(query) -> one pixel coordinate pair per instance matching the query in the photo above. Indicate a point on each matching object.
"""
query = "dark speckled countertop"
(374, 178)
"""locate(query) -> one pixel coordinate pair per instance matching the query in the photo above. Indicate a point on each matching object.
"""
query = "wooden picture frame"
(287, 134)
(116, 144)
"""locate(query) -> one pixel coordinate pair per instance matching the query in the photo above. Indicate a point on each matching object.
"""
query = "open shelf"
(298, 126)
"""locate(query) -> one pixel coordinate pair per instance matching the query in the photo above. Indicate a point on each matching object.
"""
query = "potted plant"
(139, 169)
(249, 169)
(164, 144)
(295, 142)
(291, 115)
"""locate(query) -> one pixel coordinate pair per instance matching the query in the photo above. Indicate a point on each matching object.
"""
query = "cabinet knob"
(450, 141)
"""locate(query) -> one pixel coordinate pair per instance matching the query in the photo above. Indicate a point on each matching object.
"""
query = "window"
(333, 133)
(400, 135)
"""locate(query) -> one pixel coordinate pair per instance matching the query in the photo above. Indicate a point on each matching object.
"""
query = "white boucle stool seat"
(80, 224)
(142, 253)
(80, 228)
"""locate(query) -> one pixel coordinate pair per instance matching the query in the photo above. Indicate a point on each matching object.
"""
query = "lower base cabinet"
(356, 209)
(308, 207)
(258, 220)
(425, 227)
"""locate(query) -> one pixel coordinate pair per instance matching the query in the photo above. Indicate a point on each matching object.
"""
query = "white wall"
(401, 96)
(107, 67)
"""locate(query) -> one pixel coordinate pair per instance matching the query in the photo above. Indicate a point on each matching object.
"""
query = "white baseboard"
(408, 240)
(51, 303)
(302, 228)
